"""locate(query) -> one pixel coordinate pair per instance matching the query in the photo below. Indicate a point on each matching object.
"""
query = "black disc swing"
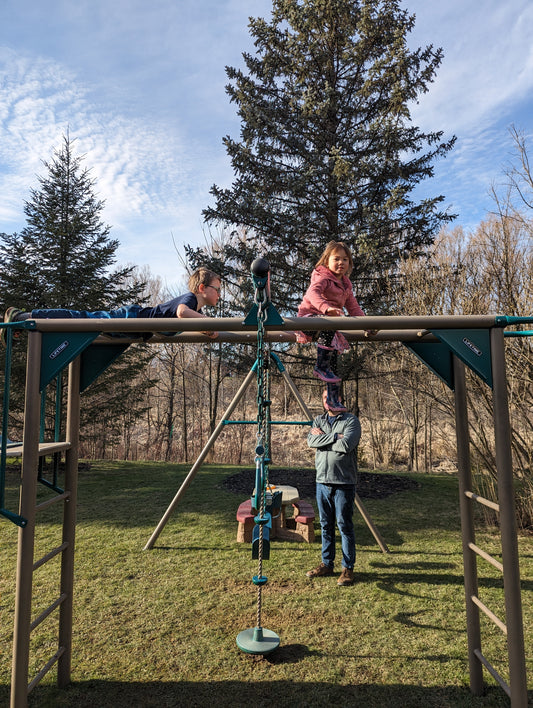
(258, 640)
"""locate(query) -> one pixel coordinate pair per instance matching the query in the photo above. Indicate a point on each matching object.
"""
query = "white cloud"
(140, 169)
(141, 88)
(486, 70)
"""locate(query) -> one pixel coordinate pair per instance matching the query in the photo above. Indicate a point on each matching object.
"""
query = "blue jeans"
(62, 314)
(336, 504)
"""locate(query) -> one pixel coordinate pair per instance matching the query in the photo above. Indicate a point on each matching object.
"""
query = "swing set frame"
(444, 343)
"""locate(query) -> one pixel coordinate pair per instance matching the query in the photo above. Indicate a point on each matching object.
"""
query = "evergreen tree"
(327, 148)
(62, 258)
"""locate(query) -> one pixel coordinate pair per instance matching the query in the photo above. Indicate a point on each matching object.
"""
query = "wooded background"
(327, 151)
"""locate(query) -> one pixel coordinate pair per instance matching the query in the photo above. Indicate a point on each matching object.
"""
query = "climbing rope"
(262, 447)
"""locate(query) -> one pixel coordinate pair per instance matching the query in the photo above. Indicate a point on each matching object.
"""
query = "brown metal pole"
(235, 324)
(69, 523)
(467, 527)
(292, 386)
(194, 469)
(286, 336)
(511, 569)
(26, 535)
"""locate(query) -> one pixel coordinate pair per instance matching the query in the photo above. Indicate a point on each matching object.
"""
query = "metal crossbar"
(52, 554)
(272, 422)
(492, 671)
(486, 556)
(482, 500)
(46, 613)
(46, 668)
(497, 621)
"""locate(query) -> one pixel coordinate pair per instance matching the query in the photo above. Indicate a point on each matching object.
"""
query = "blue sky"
(140, 86)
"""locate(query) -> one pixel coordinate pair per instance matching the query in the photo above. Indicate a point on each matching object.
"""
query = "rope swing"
(258, 640)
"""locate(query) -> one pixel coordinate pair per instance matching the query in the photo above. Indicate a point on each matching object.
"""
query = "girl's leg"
(325, 357)
(326, 338)
(334, 362)
(60, 313)
(333, 398)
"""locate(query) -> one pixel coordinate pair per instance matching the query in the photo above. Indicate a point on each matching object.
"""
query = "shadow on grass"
(419, 574)
(154, 694)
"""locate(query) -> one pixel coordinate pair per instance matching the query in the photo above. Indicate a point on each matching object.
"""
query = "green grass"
(158, 628)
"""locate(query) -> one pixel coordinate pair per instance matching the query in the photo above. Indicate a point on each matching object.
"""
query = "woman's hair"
(334, 246)
(201, 276)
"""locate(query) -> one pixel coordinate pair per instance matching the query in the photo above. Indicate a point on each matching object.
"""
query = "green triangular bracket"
(472, 346)
(96, 359)
(437, 357)
(273, 317)
(59, 349)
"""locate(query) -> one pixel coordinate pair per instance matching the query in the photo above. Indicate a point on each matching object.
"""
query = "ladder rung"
(492, 671)
(46, 668)
(486, 556)
(489, 614)
(52, 500)
(50, 555)
(37, 621)
(44, 448)
(482, 500)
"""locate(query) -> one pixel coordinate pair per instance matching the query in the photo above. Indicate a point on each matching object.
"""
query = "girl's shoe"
(325, 375)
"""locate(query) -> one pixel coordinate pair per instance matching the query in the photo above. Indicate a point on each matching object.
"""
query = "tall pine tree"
(327, 148)
(64, 258)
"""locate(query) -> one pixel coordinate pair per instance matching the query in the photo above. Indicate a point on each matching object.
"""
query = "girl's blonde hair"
(334, 246)
(201, 276)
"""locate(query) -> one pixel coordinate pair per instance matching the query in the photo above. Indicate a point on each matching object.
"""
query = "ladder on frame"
(31, 452)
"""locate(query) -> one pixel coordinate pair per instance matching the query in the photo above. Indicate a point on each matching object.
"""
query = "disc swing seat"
(258, 640)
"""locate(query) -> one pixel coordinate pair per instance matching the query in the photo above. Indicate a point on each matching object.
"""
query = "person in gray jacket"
(335, 437)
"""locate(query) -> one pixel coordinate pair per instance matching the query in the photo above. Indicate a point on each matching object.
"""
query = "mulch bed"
(369, 485)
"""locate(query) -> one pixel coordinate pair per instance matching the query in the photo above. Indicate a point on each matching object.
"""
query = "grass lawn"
(158, 628)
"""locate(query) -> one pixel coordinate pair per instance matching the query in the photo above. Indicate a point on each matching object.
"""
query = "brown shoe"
(346, 577)
(320, 571)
